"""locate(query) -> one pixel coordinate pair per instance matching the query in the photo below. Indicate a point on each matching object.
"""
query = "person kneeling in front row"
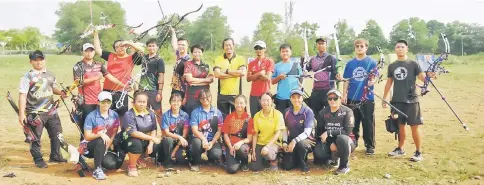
(267, 140)
(335, 125)
(140, 125)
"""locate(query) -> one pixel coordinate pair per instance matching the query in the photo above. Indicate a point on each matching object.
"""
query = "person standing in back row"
(259, 73)
(181, 52)
(229, 69)
(284, 82)
(152, 82)
(324, 67)
(89, 73)
(357, 70)
(120, 65)
(402, 74)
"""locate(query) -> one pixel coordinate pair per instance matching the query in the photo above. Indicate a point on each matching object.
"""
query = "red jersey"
(260, 87)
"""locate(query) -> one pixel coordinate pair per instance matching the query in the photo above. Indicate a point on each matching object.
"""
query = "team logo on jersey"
(400, 73)
(359, 74)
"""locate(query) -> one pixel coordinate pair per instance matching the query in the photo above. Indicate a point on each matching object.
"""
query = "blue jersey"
(285, 86)
(203, 120)
(358, 71)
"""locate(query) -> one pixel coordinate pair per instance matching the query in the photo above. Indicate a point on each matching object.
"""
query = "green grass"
(451, 153)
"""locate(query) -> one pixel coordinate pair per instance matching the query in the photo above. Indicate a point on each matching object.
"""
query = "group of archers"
(280, 130)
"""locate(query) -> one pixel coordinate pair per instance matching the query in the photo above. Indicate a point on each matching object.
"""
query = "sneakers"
(273, 166)
(334, 160)
(244, 167)
(370, 151)
(169, 167)
(98, 174)
(397, 152)
(40, 163)
(305, 169)
(57, 159)
(417, 156)
(132, 171)
(343, 170)
(195, 168)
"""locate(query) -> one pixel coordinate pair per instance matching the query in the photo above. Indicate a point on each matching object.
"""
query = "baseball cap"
(260, 43)
(321, 39)
(37, 53)
(334, 91)
(86, 46)
(296, 91)
(104, 96)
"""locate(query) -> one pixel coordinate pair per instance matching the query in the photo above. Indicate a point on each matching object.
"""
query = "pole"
(462, 45)
(211, 41)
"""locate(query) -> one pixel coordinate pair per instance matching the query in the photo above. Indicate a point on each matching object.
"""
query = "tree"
(268, 31)
(245, 45)
(346, 37)
(210, 29)
(415, 31)
(74, 18)
(374, 34)
(296, 39)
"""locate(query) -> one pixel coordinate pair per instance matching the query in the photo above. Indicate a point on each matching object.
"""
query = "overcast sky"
(244, 15)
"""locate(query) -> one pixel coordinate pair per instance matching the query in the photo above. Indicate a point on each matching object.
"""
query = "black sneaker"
(40, 163)
(305, 169)
(417, 156)
(169, 167)
(57, 159)
(244, 167)
(370, 151)
(396, 152)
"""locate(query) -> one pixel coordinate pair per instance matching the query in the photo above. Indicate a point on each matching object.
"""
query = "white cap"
(260, 43)
(104, 96)
(334, 91)
(86, 46)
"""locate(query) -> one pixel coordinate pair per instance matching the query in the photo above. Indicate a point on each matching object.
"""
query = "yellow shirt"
(229, 86)
(266, 127)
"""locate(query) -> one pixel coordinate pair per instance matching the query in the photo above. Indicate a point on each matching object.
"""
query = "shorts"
(155, 105)
(412, 110)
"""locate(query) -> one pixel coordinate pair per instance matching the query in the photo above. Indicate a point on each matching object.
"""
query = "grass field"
(452, 155)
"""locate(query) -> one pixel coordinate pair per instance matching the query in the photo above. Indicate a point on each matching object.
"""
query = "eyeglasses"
(258, 48)
(333, 99)
(359, 46)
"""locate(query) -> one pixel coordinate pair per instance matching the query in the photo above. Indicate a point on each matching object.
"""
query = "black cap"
(37, 53)
(321, 39)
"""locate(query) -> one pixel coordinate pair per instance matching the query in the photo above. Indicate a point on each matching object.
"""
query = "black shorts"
(412, 110)
(152, 100)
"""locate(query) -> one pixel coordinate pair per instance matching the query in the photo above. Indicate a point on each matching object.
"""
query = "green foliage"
(374, 34)
(74, 18)
(180, 28)
(28, 38)
(210, 29)
(268, 31)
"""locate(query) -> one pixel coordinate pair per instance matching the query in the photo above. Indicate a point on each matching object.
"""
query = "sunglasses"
(258, 48)
(333, 99)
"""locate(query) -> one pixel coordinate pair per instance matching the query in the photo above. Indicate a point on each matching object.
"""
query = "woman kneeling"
(140, 125)
(100, 127)
(267, 140)
(238, 130)
(206, 122)
(175, 129)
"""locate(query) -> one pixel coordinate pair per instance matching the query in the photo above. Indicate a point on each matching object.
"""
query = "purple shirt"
(296, 123)
(325, 70)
